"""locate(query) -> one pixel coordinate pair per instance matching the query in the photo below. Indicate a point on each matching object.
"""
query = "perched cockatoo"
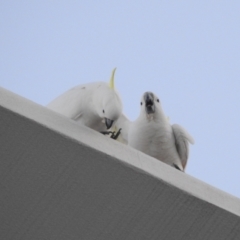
(153, 134)
(96, 105)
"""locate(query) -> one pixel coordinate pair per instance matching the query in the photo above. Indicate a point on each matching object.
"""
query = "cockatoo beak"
(108, 123)
(149, 103)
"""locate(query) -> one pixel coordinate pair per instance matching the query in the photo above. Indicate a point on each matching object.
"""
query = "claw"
(106, 132)
(115, 136)
(174, 165)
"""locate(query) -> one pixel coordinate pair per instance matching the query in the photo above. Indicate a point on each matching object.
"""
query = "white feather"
(122, 123)
(153, 135)
(89, 104)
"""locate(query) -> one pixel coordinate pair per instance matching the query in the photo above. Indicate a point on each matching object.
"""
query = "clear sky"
(186, 52)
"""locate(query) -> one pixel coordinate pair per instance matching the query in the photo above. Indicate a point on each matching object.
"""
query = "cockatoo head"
(111, 108)
(149, 103)
(109, 105)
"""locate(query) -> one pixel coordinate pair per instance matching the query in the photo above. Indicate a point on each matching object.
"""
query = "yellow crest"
(111, 83)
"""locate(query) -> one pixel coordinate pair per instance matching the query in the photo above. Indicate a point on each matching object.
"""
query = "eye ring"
(103, 111)
(141, 103)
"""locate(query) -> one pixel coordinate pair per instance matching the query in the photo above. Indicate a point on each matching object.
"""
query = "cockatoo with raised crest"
(96, 105)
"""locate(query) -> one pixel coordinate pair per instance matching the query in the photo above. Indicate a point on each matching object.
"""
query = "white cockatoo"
(152, 133)
(96, 105)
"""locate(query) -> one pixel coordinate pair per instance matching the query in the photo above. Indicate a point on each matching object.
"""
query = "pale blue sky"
(187, 52)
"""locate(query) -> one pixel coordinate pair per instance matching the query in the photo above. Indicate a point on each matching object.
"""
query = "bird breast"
(155, 139)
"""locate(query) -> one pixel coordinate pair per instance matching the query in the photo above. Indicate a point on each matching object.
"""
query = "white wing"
(182, 138)
(72, 102)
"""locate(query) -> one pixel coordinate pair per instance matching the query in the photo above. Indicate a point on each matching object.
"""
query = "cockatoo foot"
(115, 136)
(107, 132)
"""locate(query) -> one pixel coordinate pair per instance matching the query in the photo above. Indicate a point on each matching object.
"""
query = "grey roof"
(59, 180)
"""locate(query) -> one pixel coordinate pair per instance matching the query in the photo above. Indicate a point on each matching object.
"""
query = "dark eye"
(103, 111)
(157, 100)
(141, 103)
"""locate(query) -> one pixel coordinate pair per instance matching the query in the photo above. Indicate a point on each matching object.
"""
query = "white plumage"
(122, 123)
(152, 134)
(96, 105)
